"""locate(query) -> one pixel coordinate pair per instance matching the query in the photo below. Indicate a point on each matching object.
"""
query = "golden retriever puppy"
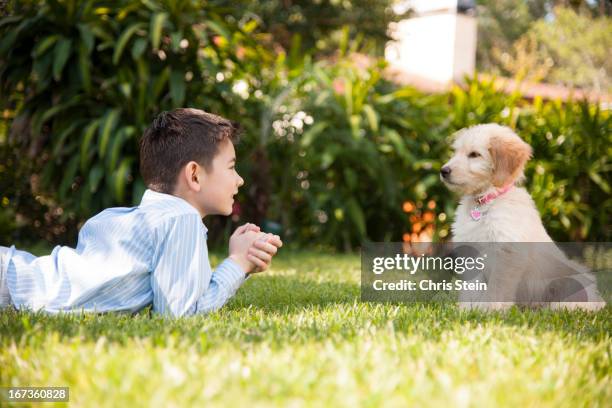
(486, 168)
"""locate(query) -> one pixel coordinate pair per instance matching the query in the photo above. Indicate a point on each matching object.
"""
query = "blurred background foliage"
(317, 22)
(565, 42)
(333, 154)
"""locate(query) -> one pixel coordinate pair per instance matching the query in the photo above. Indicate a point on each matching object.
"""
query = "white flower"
(241, 88)
(297, 123)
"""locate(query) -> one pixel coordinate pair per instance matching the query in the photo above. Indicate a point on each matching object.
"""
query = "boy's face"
(221, 183)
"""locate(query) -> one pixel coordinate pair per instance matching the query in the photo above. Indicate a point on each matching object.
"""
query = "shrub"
(333, 155)
(355, 149)
(81, 80)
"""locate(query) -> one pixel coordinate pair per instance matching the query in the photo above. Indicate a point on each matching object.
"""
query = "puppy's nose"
(445, 171)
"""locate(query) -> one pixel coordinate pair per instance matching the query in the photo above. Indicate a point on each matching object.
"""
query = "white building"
(437, 43)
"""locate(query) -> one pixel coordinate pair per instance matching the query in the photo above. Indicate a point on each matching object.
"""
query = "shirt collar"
(151, 196)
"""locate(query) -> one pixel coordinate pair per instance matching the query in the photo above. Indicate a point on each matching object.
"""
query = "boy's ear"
(192, 175)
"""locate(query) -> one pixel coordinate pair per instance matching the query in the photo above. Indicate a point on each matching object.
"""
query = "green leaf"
(177, 88)
(10, 20)
(123, 40)
(597, 179)
(344, 38)
(7, 42)
(106, 129)
(295, 52)
(44, 45)
(115, 149)
(329, 156)
(372, 117)
(87, 37)
(120, 179)
(41, 67)
(61, 139)
(98, 31)
(175, 41)
(250, 26)
(350, 177)
(322, 76)
(68, 177)
(118, 141)
(356, 215)
(62, 52)
(38, 121)
(84, 67)
(355, 121)
(95, 175)
(157, 23)
(219, 28)
(385, 148)
(398, 144)
(160, 83)
(139, 47)
(312, 133)
(348, 96)
(86, 140)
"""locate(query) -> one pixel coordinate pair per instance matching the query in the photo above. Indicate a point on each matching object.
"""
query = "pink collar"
(487, 198)
(476, 213)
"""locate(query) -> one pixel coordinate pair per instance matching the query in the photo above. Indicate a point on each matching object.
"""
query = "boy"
(156, 253)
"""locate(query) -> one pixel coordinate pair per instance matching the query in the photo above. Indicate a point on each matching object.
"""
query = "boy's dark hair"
(177, 137)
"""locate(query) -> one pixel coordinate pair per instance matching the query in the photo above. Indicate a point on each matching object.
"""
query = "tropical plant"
(333, 154)
(569, 178)
(320, 23)
(347, 157)
(563, 42)
(82, 79)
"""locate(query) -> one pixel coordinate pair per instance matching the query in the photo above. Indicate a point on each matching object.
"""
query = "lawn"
(300, 336)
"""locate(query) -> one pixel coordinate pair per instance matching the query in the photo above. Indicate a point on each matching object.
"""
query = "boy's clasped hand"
(252, 249)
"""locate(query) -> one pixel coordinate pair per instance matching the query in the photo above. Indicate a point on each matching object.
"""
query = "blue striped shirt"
(126, 259)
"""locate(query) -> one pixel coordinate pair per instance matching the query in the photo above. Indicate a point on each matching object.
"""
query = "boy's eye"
(473, 155)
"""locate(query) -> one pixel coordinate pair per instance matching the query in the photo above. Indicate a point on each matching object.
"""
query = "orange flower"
(429, 216)
(240, 52)
(218, 40)
(408, 206)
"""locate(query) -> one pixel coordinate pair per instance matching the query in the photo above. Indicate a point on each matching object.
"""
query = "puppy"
(486, 168)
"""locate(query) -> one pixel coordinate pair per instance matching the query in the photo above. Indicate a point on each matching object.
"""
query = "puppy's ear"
(509, 154)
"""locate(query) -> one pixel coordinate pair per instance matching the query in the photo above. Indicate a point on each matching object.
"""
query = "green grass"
(300, 336)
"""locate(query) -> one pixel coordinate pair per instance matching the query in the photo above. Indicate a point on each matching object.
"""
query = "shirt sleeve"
(226, 280)
(182, 270)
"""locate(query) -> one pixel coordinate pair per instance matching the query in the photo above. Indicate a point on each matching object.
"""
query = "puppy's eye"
(473, 155)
